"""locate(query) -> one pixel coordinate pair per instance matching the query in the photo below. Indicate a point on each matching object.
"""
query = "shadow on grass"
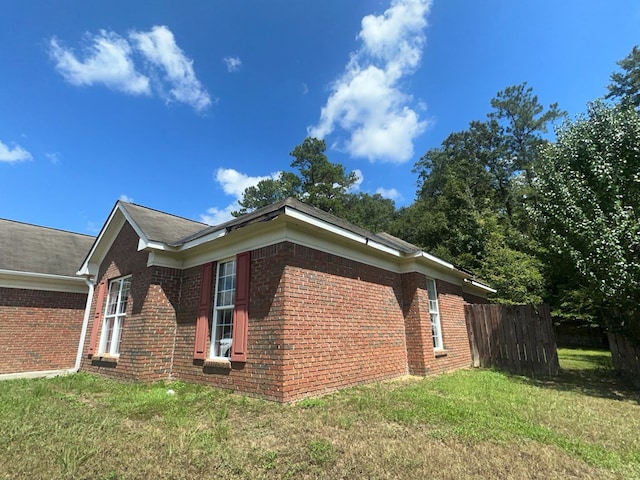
(589, 372)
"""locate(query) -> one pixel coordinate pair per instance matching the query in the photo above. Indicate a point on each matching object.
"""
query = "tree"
(373, 212)
(472, 191)
(589, 208)
(322, 184)
(269, 191)
(454, 194)
(625, 85)
(523, 121)
(319, 183)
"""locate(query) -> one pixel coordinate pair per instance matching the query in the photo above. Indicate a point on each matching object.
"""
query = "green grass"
(467, 424)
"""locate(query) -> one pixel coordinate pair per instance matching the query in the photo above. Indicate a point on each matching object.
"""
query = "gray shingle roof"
(162, 227)
(30, 248)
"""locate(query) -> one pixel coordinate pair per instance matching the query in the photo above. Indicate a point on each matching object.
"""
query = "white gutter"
(480, 285)
(437, 260)
(41, 281)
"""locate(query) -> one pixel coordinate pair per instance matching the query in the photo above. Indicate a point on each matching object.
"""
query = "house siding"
(39, 330)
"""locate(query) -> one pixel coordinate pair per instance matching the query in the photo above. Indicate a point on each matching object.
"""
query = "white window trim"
(217, 308)
(434, 312)
(118, 319)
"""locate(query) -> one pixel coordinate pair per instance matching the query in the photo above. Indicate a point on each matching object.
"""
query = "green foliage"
(269, 191)
(516, 275)
(589, 206)
(625, 85)
(323, 184)
(523, 121)
(472, 193)
(373, 212)
(320, 183)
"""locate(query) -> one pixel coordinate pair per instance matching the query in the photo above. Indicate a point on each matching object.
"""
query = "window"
(223, 307)
(115, 311)
(436, 330)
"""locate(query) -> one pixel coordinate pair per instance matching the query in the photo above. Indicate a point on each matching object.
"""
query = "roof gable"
(156, 226)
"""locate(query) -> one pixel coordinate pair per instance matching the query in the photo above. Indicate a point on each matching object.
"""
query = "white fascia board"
(105, 239)
(42, 281)
(134, 225)
(324, 225)
(361, 255)
(328, 227)
(438, 261)
(144, 244)
(479, 285)
(383, 248)
(207, 238)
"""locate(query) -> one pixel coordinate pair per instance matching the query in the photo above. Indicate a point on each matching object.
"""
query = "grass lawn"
(468, 424)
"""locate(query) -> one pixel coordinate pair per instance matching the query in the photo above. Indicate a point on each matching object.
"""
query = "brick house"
(282, 303)
(42, 301)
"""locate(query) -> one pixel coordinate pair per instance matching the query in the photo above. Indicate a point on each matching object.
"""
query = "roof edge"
(42, 281)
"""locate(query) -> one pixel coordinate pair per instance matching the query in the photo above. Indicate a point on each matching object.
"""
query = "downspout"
(85, 325)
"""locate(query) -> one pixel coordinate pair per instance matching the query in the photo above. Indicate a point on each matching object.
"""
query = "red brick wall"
(417, 322)
(343, 323)
(317, 322)
(146, 345)
(261, 375)
(39, 330)
(456, 353)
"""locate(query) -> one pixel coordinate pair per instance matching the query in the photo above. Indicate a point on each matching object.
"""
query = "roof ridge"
(61, 230)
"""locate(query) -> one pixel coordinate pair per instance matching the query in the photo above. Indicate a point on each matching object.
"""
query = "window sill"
(218, 363)
(105, 360)
(440, 352)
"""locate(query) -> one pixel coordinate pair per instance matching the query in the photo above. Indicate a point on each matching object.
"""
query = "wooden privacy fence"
(517, 338)
(625, 355)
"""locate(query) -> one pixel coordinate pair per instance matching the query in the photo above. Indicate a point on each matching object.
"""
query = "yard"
(468, 424)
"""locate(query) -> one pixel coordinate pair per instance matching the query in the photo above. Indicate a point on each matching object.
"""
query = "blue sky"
(179, 106)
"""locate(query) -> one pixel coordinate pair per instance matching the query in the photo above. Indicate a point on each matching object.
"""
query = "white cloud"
(366, 101)
(109, 59)
(54, 157)
(233, 183)
(125, 198)
(159, 47)
(215, 216)
(233, 63)
(13, 155)
(391, 193)
(359, 178)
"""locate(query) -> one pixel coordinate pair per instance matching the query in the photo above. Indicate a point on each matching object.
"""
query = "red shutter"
(204, 311)
(241, 310)
(97, 316)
